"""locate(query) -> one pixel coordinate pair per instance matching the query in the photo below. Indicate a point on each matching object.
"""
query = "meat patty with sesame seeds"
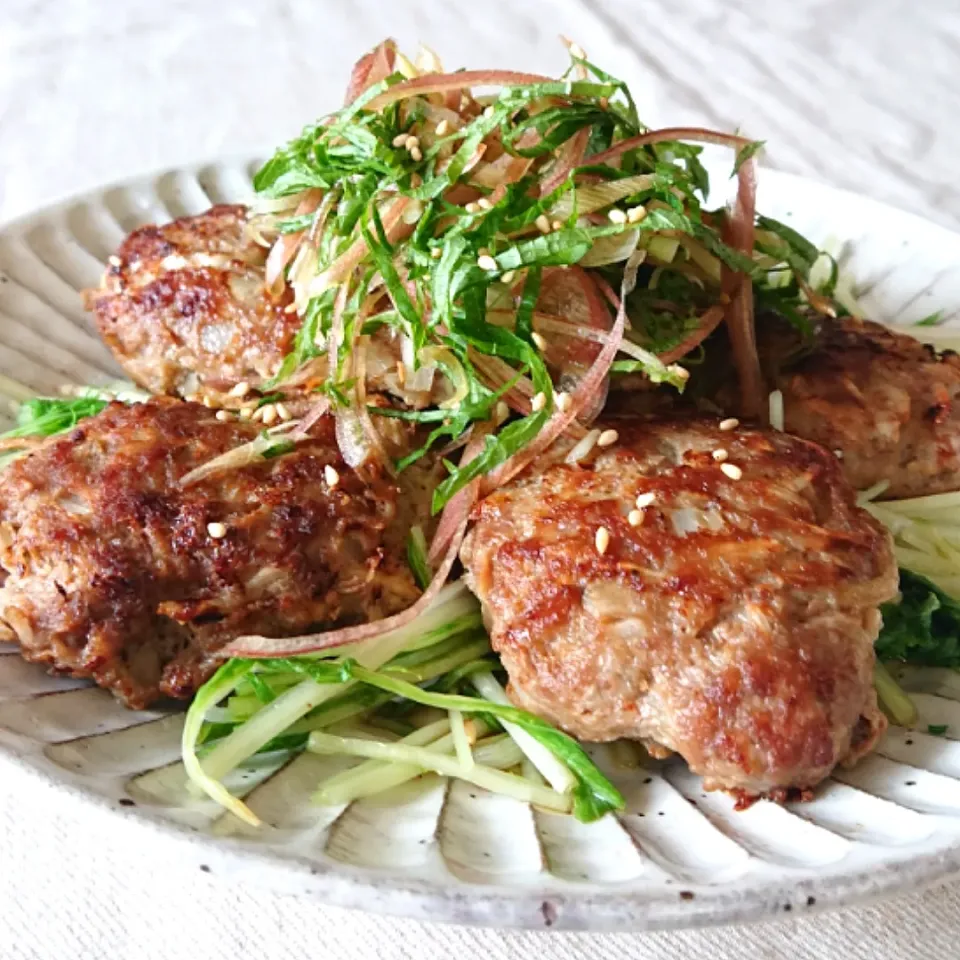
(116, 571)
(184, 308)
(728, 616)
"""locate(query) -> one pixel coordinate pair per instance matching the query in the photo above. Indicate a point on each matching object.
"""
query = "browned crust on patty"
(112, 573)
(185, 311)
(889, 403)
(745, 645)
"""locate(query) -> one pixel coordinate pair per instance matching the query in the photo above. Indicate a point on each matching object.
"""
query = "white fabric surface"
(861, 95)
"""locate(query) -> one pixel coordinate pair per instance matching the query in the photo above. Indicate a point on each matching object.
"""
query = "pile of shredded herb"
(485, 226)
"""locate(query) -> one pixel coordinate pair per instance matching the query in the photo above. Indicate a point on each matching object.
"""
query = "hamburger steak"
(184, 309)
(116, 572)
(729, 617)
(887, 402)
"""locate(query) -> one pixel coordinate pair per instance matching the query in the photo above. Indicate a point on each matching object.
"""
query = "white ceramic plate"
(678, 857)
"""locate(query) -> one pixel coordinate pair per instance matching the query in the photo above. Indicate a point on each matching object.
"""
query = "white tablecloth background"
(863, 95)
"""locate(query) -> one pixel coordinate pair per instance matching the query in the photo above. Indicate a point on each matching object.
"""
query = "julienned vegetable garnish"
(442, 216)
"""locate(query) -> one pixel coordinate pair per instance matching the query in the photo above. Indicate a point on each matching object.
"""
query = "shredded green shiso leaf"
(408, 219)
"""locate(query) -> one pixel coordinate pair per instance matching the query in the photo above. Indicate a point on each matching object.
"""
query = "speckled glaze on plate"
(449, 852)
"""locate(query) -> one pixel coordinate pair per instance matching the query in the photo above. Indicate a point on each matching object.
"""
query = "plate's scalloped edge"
(341, 885)
(148, 174)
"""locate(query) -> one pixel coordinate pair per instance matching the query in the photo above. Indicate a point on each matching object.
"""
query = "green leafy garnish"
(45, 416)
(923, 627)
(417, 239)
(937, 729)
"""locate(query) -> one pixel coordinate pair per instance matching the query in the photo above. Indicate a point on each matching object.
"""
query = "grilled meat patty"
(882, 401)
(112, 571)
(734, 624)
(889, 403)
(184, 308)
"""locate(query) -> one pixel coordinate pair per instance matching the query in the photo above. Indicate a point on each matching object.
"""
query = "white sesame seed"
(442, 128)
(189, 397)
(635, 518)
(486, 262)
(283, 411)
(208, 402)
(838, 454)
(557, 225)
(114, 260)
(617, 216)
(636, 214)
(217, 530)
(436, 253)
(602, 540)
(258, 413)
(488, 112)
(540, 342)
(501, 412)
(245, 413)
(484, 204)
(543, 223)
(583, 448)
(331, 476)
(240, 390)
(731, 470)
(400, 140)
(720, 455)
(538, 402)
(577, 51)
(608, 438)
(270, 413)
(563, 402)
(416, 154)
(731, 423)
(472, 207)
(223, 415)
(775, 403)
(645, 499)
(411, 141)
(509, 276)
